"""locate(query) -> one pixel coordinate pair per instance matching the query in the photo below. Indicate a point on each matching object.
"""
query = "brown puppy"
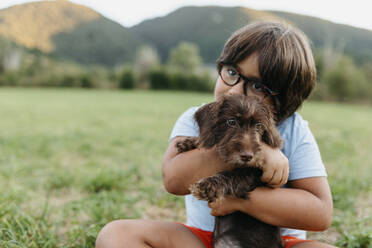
(236, 126)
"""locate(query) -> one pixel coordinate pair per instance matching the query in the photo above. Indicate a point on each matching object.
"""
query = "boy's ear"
(206, 118)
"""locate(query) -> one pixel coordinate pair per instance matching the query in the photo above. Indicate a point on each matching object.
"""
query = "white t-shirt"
(300, 148)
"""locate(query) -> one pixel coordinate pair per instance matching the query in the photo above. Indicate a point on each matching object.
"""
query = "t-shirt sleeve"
(185, 125)
(304, 157)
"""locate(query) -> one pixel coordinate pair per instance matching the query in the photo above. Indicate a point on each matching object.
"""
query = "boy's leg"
(146, 234)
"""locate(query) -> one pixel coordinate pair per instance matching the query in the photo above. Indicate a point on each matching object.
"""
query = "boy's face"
(247, 68)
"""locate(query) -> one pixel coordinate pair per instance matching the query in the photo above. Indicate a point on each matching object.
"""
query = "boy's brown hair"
(285, 61)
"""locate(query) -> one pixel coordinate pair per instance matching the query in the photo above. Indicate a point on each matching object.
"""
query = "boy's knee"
(112, 234)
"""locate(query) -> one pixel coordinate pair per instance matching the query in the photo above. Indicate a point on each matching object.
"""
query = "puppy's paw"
(187, 144)
(207, 189)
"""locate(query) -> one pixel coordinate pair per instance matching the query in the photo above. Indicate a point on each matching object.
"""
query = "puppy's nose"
(246, 157)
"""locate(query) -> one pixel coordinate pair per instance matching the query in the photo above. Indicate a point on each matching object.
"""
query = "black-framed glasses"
(231, 75)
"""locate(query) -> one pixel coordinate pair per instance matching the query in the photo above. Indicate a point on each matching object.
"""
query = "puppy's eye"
(231, 122)
(259, 126)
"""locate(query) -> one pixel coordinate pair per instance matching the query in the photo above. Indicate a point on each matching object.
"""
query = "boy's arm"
(181, 170)
(306, 205)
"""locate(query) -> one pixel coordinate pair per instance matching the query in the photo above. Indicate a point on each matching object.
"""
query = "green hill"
(209, 27)
(67, 30)
(100, 41)
(355, 42)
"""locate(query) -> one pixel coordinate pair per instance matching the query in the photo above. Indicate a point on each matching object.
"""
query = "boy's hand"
(275, 167)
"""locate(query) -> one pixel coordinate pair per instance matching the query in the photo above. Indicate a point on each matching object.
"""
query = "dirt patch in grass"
(54, 200)
(363, 206)
(70, 160)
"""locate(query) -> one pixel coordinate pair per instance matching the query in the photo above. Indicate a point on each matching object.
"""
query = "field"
(73, 160)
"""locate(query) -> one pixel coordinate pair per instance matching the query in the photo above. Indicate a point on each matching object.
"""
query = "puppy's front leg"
(187, 144)
(236, 183)
(209, 188)
(242, 181)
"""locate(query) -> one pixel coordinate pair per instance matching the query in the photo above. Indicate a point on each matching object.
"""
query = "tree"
(10, 56)
(185, 58)
(346, 81)
(146, 59)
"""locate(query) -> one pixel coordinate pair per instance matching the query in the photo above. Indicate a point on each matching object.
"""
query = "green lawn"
(72, 160)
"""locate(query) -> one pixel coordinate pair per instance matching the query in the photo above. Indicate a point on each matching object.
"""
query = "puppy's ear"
(206, 117)
(271, 135)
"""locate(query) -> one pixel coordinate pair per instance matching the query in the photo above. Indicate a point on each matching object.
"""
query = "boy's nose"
(236, 89)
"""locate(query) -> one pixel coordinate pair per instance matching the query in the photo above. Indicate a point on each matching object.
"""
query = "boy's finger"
(267, 176)
(280, 179)
(213, 213)
(277, 177)
(285, 176)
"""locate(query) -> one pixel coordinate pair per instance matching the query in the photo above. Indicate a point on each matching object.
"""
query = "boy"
(267, 60)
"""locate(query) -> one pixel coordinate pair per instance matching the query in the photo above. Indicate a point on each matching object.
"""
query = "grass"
(73, 160)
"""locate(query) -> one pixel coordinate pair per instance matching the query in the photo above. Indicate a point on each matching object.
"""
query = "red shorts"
(206, 238)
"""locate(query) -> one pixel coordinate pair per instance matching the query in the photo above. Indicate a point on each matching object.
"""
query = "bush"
(126, 80)
(342, 81)
(69, 81)
(86, 81)
(182, 81)
(9, 79)
(159, 79)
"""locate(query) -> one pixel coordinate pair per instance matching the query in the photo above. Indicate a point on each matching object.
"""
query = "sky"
(131, 12)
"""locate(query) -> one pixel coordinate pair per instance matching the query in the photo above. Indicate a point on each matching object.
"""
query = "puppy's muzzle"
(246, 156)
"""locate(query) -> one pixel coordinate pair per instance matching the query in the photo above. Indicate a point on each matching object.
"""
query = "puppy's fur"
(236, 126)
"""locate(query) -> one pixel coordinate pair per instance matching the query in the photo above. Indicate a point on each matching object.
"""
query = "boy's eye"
(231, 122)
(257, 86)
(232, 72)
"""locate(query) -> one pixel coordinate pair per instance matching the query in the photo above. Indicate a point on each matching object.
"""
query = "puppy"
(236, 126)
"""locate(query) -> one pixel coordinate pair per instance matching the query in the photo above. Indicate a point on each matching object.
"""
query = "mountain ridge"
(355, 42)
(71, 31)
